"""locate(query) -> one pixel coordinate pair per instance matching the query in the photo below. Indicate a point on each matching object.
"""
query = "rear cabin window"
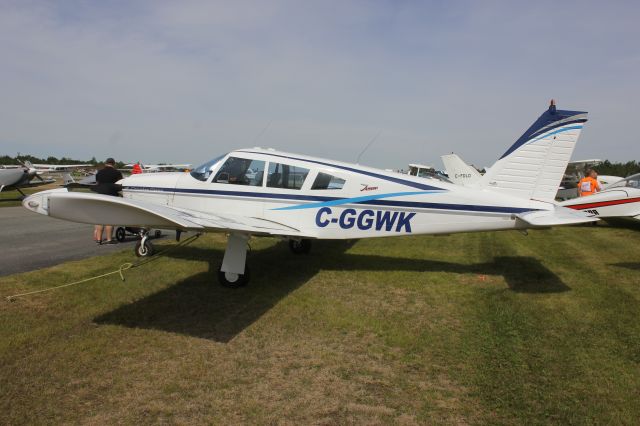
(241, 171)
(327, 181)
(286, 176)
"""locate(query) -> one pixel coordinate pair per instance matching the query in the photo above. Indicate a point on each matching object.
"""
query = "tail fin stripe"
(580, 118)
(526, 141)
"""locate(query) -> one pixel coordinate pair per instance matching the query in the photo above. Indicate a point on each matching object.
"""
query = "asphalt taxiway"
(31, 241)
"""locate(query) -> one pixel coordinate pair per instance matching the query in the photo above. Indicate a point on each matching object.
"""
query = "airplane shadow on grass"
(198, 306)
(628, 265)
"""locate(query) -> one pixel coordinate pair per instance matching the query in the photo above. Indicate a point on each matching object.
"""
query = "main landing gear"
(300, 246)
(233, 272)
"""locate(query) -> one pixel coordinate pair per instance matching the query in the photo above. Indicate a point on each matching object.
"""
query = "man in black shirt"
(106, 184)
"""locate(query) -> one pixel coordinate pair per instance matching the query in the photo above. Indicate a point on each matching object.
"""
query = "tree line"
(6, 160)
(618, 169)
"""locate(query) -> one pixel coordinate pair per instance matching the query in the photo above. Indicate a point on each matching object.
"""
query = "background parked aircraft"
(159, 167)
(86, 182)
(21, 177)
(60, 167)
(458, 171)
(621, 199)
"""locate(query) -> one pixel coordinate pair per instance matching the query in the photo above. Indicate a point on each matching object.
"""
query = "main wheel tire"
(121, 234)
(300, 246)
(144, 250)
(231, 280)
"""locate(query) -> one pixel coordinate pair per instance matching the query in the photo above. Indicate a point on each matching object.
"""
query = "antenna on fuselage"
(262, 132)
(367, 147)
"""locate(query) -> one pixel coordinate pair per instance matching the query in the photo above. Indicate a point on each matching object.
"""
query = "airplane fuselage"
(360, 202)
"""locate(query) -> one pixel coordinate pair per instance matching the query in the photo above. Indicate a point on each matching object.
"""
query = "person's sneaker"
(110, 242)
(98, 242)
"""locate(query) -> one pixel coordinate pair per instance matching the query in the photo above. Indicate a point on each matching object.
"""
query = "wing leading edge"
(96, 208)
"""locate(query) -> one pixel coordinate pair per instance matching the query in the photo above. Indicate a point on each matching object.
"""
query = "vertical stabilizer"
(458, 171)
(534, 165)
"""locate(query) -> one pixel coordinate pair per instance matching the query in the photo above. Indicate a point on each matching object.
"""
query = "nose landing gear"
(144, 248)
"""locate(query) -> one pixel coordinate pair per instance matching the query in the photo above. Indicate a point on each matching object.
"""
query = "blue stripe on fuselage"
(354, 200)
(373, 202)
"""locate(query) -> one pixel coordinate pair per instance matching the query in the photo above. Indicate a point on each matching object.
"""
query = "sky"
(185, 81)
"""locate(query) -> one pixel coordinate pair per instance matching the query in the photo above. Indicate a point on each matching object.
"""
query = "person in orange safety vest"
(589, 184)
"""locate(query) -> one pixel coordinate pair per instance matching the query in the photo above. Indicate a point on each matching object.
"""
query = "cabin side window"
(286, 176)
(241, 171)
(327, 181)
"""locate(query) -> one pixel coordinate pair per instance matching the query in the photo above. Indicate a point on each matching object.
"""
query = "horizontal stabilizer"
(557, 216)
(103, 209)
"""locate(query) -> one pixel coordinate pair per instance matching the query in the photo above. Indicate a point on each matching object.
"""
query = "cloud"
(184, 81)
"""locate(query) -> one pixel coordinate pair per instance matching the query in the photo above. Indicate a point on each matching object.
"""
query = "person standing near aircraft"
(589, 185)
(136, 170)
(106, 184)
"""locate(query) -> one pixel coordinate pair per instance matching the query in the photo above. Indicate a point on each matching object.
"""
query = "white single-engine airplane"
(301, 198)
(621, 199)
(22, 176)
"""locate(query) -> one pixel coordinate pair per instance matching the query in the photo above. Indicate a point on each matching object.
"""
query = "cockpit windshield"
(630, 182)
(203, 171)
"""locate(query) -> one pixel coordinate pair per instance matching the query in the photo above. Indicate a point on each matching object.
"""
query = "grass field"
(493, 328)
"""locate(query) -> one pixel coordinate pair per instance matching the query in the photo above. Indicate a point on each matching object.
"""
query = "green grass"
(471, 328)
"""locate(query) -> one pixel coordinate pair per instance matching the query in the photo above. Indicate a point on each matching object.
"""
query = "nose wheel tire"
(144, 249)
(121, 233)
(233, 280)
(300, 246)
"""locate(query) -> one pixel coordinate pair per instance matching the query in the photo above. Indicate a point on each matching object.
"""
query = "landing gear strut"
(300, 246)
(233, 271)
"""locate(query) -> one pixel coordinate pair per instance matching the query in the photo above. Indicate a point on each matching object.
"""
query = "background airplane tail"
(533, 166)
(67, 179)
(458, 171)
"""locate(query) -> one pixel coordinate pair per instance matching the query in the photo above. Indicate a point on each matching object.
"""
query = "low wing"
(557, 216)
(103, 209)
